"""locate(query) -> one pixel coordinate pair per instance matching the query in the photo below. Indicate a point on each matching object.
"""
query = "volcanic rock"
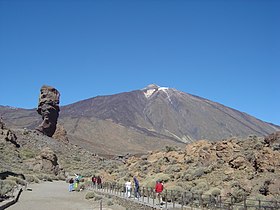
(48, 108)
(60, 134)
(47, 162)
(7, 135)
(273, 140)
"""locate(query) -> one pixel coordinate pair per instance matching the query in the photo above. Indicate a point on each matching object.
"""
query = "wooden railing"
(182, 199)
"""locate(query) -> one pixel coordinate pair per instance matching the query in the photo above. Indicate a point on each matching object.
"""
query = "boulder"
(46, 162)
(7, 135)
(48, 108)
(273, 140)
(60, 134)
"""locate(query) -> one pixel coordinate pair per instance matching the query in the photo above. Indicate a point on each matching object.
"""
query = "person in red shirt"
(159, 189)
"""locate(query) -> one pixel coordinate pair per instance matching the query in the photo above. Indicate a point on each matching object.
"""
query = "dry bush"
(31, 179)
(16, 180)
(27, 154)
(44, 177)
(6, 186)
(173, 169)
(110, 203)
(200, 187)
(213, 191)
(90, 195)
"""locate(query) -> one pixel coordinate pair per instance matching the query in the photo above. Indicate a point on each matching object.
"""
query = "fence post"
(153, 198)
(172, 198)
(200, 200)
(166, 198)
(231, 202)
(148, 195)
(100, 204)
(182, 200)
(192, 199)
(143, 194)
(245, 204)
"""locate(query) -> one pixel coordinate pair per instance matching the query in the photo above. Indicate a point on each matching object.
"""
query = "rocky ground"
(233, 167)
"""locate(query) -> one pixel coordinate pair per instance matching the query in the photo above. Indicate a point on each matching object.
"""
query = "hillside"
(145, 119)
(234, 167)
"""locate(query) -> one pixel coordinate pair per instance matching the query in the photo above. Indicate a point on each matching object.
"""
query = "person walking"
(137, 194)
(71, 184)
(159, 189)
(93, 179)
(99, 182)
(128, 187)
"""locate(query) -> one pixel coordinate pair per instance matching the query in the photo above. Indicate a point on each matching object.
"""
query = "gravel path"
(52, 195)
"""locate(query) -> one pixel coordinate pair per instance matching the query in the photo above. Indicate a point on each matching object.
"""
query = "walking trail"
(52, 195)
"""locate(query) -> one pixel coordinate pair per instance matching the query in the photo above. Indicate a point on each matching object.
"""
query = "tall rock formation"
(48, 108)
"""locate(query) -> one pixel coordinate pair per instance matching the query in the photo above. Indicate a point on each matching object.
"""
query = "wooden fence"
(180, 199)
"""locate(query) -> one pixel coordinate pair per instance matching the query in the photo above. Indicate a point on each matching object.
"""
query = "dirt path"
(52, 195)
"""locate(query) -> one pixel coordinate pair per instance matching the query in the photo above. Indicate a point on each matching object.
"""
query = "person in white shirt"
(128, 187)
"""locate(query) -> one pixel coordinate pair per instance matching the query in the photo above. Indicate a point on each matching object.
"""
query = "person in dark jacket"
(99, 182)
(93, 180)
(136, 187)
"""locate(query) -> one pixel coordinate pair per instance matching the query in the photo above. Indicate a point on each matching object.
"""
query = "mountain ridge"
(145, 119)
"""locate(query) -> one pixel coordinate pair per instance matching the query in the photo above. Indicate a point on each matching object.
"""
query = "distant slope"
(145, 119)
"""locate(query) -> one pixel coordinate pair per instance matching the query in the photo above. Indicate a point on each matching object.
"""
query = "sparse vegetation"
(6, 186)
(90, 195)
(202, 167)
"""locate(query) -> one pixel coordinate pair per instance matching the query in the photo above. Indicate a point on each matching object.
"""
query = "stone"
(273, 140)
(7, 135)
(60, 134)
(48, 108)
(47, 162)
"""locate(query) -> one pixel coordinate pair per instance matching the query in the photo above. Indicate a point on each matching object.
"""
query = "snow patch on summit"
(149, 92)
(151, 89)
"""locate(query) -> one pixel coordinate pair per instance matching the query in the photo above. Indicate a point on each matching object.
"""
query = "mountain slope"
(170, 113)
(145, 119)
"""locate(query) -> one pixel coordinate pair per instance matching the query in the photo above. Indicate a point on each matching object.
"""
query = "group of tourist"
(128, 188)
(96, 182)
(74, 183)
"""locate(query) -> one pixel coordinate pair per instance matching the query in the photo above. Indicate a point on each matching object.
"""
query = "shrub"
(186, 176)
(214, 192)
(170, 148)
(163, 177)
(144, 157)
(237, 194)
(16, 180)
(185, 185)
(97, 197)
(30, 178)
(110, 203)
(175, 188)
(173, 168)
(6, 186)
(76, 158)
(27, 154)
(198, 172)
(44, 177)
(90, 195)
(200, 188)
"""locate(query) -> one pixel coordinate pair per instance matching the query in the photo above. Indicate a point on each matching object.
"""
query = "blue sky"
(225, 51)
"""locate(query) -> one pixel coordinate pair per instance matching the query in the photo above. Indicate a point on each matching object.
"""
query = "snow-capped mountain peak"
(151, 89)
